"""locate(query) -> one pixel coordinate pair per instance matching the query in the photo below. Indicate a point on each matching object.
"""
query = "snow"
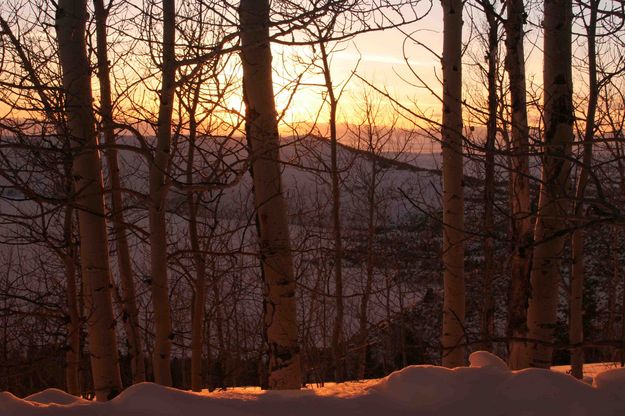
(486, 388)
(49, 396)
(591, 370)
(481, 359)
(613, 379)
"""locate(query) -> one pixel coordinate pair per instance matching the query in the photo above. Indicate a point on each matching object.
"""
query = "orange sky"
(381, 56)
(382, 62)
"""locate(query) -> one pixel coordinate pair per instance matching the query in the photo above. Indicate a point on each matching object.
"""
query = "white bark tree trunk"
(576, 304)
(199, 259)
(280, 317)
(130, 312)
(623, 324)
(519, 179)
(488, 305)
(363, 329)
(159, 168)
(554, 193)
(337, 330)
(453, 193)
(72, 356)
(613, 278)
(71, 18)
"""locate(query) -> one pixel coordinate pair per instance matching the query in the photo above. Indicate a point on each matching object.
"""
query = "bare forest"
(210, 194)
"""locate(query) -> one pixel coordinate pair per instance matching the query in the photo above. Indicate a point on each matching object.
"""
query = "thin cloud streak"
(380, 59)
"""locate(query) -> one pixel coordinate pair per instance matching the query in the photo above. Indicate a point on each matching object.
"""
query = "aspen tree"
(130, 314)
(554, 196)
(488, 307)
(337, 329)
(453, 194)
(261, 128)
(199, 260)
(576, 307)
(157, 213)
(71, 19)
(519, 181)
(72, 356)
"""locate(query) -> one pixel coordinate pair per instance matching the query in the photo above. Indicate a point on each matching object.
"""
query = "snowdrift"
(485, 388)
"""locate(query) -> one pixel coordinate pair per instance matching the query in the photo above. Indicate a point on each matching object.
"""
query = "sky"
(379, 58)
(383, 56)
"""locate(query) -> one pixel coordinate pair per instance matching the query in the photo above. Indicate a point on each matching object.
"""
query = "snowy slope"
(486, 388)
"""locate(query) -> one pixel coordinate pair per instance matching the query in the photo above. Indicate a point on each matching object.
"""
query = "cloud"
(380, 59)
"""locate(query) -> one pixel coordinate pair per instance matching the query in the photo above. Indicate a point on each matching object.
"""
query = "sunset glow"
(312, 208)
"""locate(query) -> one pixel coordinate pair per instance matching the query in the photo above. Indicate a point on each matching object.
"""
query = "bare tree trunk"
(576, 307)
(130, 314)
(615, 250)
(5, 380)
(488, 305)
(554, 195)
(223, 355)
(261, 126)
(199, 298)
(623, 324)
(363, 333)
(608, 327)
(519, 180)
(157, 213)
(71, 18)
(453, 193)
(72, 356)
(576, 328)
(337, 331)
(402, 325)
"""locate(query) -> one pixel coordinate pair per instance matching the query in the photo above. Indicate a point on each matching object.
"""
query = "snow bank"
(481, 359)
(53, 396)
(611, 381)
(486, 388)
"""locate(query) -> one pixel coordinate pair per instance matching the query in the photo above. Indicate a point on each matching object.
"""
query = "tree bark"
(576, 306)
(337, 330)
(623, 323)
(363, 333)
(71, 19)
(199, 261)
(223, 355)
(608, 327)
(130, 312)
(519, 180)
(72, 356)
(488, 305)
(280, 319)
(453, 193)
(554, 195)
(159, 167)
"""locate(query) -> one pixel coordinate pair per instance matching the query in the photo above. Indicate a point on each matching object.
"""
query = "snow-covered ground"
(591, 370)
(485, 388)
